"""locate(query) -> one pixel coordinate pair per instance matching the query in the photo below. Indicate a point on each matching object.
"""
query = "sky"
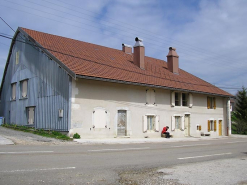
(210, 35)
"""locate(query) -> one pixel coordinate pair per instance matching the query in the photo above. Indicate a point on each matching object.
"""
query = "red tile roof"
(92, 60)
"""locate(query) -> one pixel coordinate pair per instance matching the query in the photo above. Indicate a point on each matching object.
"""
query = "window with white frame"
(184, 99)
(150, 123)
(177, 122)
(24, 85)
(150, 96)
(13, 91)
(181, 99)
(177, 99)
(99, 118)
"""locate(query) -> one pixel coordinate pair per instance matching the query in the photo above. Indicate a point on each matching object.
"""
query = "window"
(24, 88)
(181, 99)
(150, 96)
(184, 99)
(211, 102)
(17, 56)
(177, 122)
(150, 123)
(30, 115)
(13, 91)
(177, 99)
(212, 125)
(99, 118)
(198, 127)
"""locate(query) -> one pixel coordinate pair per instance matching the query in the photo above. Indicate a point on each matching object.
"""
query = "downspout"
(228, 119)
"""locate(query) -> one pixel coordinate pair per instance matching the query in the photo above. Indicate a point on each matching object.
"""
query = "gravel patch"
(25, 138)
(227, 171)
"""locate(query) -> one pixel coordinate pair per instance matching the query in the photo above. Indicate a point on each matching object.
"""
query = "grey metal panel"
(48, 88)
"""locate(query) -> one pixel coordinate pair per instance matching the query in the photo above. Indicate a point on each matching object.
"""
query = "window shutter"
(214, 103)
(208, 125)
(208, 103)
(190, 100)
(144, 123)
(173, 123)
(182, 122)
(173, 99)
(200, 127)
(157, 123)
(215, 126)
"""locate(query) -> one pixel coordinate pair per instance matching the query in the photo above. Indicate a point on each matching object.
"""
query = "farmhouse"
(57, 83)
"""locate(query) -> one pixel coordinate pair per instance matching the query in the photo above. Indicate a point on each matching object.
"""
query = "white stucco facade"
(98, 101)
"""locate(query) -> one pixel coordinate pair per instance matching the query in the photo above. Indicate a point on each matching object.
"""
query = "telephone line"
(104, 64)
(153, 43)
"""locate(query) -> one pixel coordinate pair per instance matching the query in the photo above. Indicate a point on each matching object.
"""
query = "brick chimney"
(127, 48)
(172, 60)
(139, 53)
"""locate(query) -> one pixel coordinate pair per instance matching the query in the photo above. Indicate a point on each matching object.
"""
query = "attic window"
(96, 49)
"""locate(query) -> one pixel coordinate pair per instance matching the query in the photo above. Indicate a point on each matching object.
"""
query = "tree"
(240, 115)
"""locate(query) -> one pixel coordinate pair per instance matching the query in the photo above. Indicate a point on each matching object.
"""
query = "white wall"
(88, 95)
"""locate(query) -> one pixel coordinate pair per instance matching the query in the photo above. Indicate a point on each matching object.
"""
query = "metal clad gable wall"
(48, 89)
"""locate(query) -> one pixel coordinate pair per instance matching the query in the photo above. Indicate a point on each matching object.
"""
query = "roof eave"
(148, 85)
(70, 72)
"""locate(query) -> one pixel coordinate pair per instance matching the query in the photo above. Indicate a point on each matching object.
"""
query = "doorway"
(187, 124)
(121, 123)
(220, 127)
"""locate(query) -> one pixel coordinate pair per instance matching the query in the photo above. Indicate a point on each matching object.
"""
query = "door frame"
(220, 127)
(187, 132)
(125, 131)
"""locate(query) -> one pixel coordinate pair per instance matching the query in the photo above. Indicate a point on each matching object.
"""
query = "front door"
(220, 127)
(187, 125)
(121, 124)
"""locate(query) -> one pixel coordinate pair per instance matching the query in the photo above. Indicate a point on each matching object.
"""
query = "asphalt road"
(102, 164)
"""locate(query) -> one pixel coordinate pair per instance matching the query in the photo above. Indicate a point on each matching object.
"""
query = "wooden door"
(220, 127)
(187, 125)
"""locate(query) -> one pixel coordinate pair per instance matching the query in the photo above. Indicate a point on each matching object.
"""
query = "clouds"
(209, 35)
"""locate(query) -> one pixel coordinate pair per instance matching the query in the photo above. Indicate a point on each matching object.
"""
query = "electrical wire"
(43, 48)
(153, 43)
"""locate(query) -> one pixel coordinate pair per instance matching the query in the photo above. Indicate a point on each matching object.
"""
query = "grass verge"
(41, 132)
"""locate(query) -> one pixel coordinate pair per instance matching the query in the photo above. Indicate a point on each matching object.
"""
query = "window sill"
(151, 105)
(23, 98)
(13, 100)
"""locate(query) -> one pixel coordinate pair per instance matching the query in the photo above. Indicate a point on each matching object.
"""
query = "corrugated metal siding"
(48, 89)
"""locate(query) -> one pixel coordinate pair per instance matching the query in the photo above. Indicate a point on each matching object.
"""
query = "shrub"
(76, 136)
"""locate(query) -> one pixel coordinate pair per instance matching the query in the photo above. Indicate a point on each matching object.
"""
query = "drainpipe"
(228, 119)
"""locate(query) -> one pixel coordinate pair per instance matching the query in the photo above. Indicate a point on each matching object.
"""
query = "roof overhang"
(149, 85)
